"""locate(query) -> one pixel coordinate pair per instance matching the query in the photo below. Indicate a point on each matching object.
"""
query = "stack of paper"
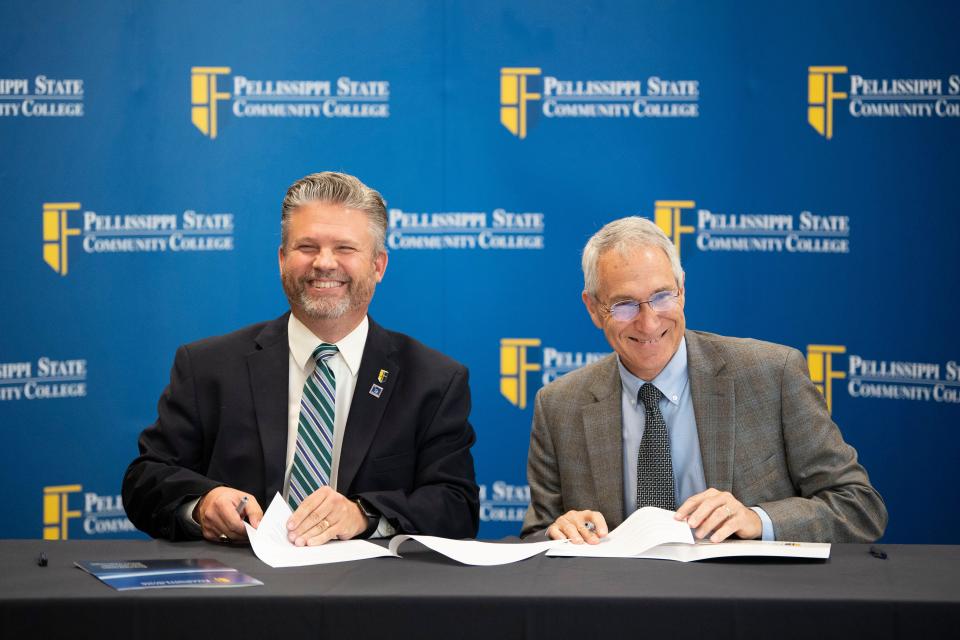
(649, 533)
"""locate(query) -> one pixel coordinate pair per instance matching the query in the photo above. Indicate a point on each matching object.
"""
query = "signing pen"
(242, 506)
(877, 552)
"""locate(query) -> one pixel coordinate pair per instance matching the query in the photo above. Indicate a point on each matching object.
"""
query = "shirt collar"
(303, 342)
(671, 381)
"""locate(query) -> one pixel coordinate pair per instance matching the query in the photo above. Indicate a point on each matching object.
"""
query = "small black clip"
(877, 552)
(42, 559)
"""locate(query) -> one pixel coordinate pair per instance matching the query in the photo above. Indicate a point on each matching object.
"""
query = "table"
(914, 593)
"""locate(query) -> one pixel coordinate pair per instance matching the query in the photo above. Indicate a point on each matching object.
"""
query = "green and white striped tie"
(313, 459)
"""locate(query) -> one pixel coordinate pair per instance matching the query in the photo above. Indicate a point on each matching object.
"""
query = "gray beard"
(322, 309)
(358, 295)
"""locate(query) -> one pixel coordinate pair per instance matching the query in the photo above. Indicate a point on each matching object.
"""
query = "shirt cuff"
(185, 513)
(765, 522)
(384, 529)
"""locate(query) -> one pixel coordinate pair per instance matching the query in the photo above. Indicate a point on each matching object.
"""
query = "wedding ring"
(224, 538)
(324, 524)
(729, 512)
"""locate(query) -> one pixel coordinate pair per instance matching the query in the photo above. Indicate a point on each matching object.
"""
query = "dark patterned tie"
(313, 458)
(654, 464)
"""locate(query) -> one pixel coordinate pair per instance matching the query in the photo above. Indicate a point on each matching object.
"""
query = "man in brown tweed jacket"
(753, 450)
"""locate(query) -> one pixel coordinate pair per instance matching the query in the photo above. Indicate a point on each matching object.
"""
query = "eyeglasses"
(627, 310)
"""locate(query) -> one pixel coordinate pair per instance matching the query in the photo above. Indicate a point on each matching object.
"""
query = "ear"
(280, 257)
(593, 308)
(683, 290)
(380, 265)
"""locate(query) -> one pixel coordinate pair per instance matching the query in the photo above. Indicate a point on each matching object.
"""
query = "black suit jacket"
(223, 421)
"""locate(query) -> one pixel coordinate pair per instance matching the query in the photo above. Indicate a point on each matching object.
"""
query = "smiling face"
(329, 267)
(646, 343)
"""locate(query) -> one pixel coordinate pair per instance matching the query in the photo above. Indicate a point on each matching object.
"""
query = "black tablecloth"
(914, 593)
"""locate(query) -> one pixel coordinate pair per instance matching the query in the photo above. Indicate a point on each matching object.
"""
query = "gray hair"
(337, 188)
(622, 235)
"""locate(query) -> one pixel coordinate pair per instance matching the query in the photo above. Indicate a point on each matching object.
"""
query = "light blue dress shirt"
(676, 405)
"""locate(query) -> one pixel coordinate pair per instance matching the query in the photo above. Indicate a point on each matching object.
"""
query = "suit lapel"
(269, 367)
(602, 431)
(366, 409)
(713, 407)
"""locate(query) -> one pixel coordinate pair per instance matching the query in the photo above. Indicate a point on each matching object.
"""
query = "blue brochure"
(124, 575)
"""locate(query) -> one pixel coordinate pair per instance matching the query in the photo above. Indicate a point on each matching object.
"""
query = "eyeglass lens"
(629, 309)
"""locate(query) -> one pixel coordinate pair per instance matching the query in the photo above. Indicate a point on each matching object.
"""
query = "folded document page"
(644, 529)
(474, 552)
(737, 548)
(270, 543)
(653, 533)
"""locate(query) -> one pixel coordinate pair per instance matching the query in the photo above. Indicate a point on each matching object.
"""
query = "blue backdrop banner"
(801, 156)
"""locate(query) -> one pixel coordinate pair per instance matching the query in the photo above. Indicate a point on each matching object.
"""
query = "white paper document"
(644, 529)
(652, 533)
(474, 552)
(737, 548)
(270, 543)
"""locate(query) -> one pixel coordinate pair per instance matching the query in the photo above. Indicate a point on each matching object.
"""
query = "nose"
(324, 260)
(647, 320)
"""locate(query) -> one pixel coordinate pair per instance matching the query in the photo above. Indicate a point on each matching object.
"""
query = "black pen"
(242, 506)
(877, 552)
(42, 559)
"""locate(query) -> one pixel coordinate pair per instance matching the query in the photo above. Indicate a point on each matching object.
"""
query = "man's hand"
(323, 516)
(719, 512)
(216, 512)
(573, 526)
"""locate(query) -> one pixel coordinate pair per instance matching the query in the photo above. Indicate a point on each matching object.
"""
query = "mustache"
(332, 274)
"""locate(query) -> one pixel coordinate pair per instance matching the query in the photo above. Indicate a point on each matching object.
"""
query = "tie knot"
(324, 352)
(650, 395)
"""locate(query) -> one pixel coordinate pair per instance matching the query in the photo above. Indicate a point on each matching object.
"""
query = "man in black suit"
(241, 411)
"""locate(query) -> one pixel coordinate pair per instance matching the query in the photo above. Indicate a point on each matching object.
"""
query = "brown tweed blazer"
(765, 436)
